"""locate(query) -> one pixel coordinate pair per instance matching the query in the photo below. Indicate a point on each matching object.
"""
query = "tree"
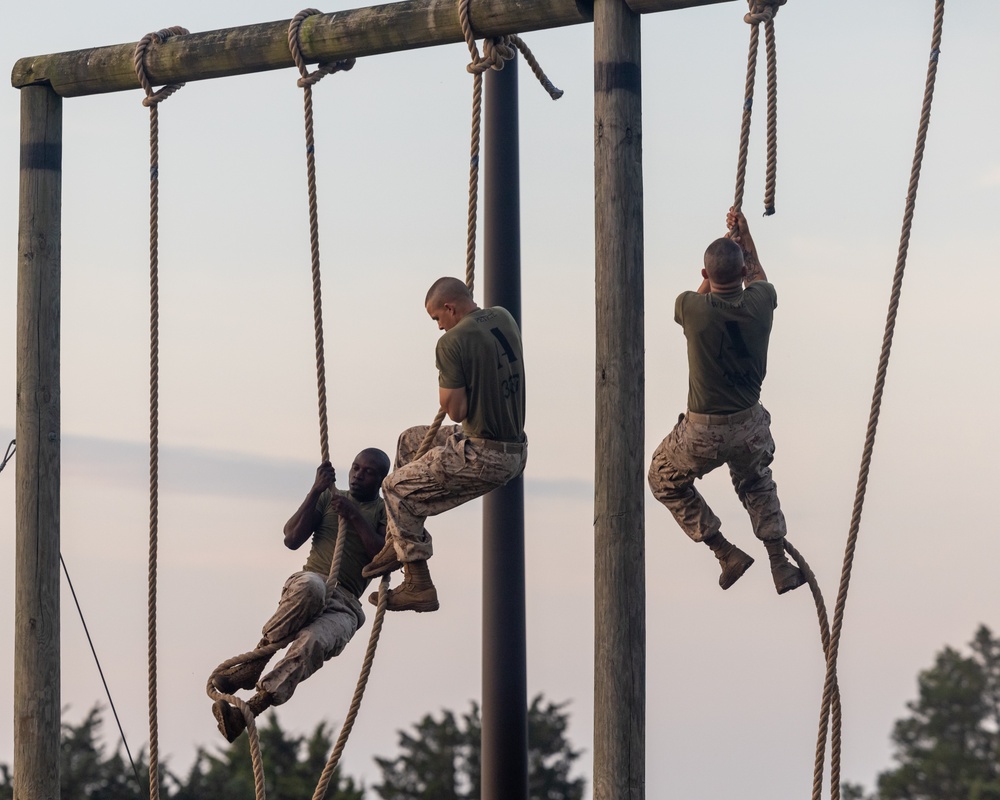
(441, 759)
(292, 768)
(949, 748)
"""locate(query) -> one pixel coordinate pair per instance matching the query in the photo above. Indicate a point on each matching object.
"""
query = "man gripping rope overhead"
(316, 623)
(481, 385)
(727, 327)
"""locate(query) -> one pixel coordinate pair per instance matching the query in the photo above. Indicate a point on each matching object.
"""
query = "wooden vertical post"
(619, 563)
(36, 602)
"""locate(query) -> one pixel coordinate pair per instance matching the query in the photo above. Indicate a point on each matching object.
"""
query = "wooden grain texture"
(36, 600)
(353, 33)
(619, 529)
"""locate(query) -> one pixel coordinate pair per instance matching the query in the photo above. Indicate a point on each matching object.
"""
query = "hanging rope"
(11, 449)
(497, 51)
(760, 11)
(152, 101)
(869, 446)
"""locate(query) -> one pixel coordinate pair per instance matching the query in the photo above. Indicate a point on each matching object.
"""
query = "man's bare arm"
(455, 402)
(740, 233)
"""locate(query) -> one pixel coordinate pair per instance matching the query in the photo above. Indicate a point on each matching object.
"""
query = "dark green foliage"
(440, 760)
(949, 746)
(292, 768)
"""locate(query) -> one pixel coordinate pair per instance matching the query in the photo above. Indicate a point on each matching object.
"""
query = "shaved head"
(724, 261)
(447, 290)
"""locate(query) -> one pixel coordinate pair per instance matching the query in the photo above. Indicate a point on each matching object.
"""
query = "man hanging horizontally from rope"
(317, 624)
(481, 385)
(727, 328)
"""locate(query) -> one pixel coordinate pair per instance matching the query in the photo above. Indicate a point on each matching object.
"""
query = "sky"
(734, 679)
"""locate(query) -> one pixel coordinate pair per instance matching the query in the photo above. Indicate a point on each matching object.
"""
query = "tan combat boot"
(415, 593)
(734, 562)
(785, 574)
(230, 718)
(384, 562)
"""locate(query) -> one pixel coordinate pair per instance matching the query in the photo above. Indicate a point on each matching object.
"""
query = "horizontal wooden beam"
(325, 38)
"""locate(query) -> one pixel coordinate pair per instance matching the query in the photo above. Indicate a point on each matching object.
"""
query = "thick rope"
(760, 11)
(152, 101)
(496, 52)
(883, 364)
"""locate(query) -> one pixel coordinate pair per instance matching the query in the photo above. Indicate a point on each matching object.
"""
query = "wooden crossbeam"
(353, 33)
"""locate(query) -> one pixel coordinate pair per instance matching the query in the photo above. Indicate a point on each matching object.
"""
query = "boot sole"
(220, 717)
(737, 575)
(787, 586)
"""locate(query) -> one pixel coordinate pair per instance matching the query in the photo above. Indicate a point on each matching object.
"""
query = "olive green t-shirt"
(727, 338)
(355, 556)
(482, 353)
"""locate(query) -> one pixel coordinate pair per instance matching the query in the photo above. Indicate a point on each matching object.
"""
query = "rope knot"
(295, 46)
(139, 62)
(762, 11)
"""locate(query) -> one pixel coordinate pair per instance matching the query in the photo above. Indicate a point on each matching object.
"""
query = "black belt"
(722, 419)
(496, 444)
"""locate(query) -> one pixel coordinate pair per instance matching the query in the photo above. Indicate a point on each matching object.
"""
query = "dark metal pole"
(505, 681)
(36, 582)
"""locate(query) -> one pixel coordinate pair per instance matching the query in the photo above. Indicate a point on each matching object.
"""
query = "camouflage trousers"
(322, 627)
(701, 442)
(455, 470)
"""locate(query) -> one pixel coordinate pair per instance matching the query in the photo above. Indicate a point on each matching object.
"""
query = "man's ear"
(704, 273)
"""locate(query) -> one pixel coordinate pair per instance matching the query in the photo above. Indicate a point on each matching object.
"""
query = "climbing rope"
(497, 51)
(306, 82)
(760, 11)
(11, 449)
(152, 101)
(883, 364)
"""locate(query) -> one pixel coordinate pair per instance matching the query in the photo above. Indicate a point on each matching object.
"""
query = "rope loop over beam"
(295, 46)
(762, 11)
(139, 61)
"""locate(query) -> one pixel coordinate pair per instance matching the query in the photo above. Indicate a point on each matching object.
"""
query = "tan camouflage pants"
(698, 444)
(322, 628)
(454, 471)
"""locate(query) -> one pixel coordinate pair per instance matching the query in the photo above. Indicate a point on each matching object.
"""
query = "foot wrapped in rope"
(785, 574)
(386, 561)
(230, 719)
(240, 676)
(415, 593)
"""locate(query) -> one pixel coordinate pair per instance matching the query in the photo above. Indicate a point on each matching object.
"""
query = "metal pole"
(505, 682)
(619, 466)
(36, 590)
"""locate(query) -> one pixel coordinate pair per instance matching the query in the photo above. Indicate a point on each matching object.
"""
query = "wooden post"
(619, 485)
(36, 601)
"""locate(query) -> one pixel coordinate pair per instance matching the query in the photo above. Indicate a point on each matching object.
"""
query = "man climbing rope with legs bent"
(727, 327)
(315, 622)
(481, 385)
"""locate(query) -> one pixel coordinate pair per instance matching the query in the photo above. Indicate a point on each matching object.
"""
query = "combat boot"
(785, 574)
(415, 593)
(243, 675)
(230, 719)
(734, 562)
(384, 562)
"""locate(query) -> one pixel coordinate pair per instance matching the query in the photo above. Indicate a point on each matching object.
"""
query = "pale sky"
(734, 679)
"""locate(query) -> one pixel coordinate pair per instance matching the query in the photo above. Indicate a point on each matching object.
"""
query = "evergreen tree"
(440, 760)
(949, 746)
